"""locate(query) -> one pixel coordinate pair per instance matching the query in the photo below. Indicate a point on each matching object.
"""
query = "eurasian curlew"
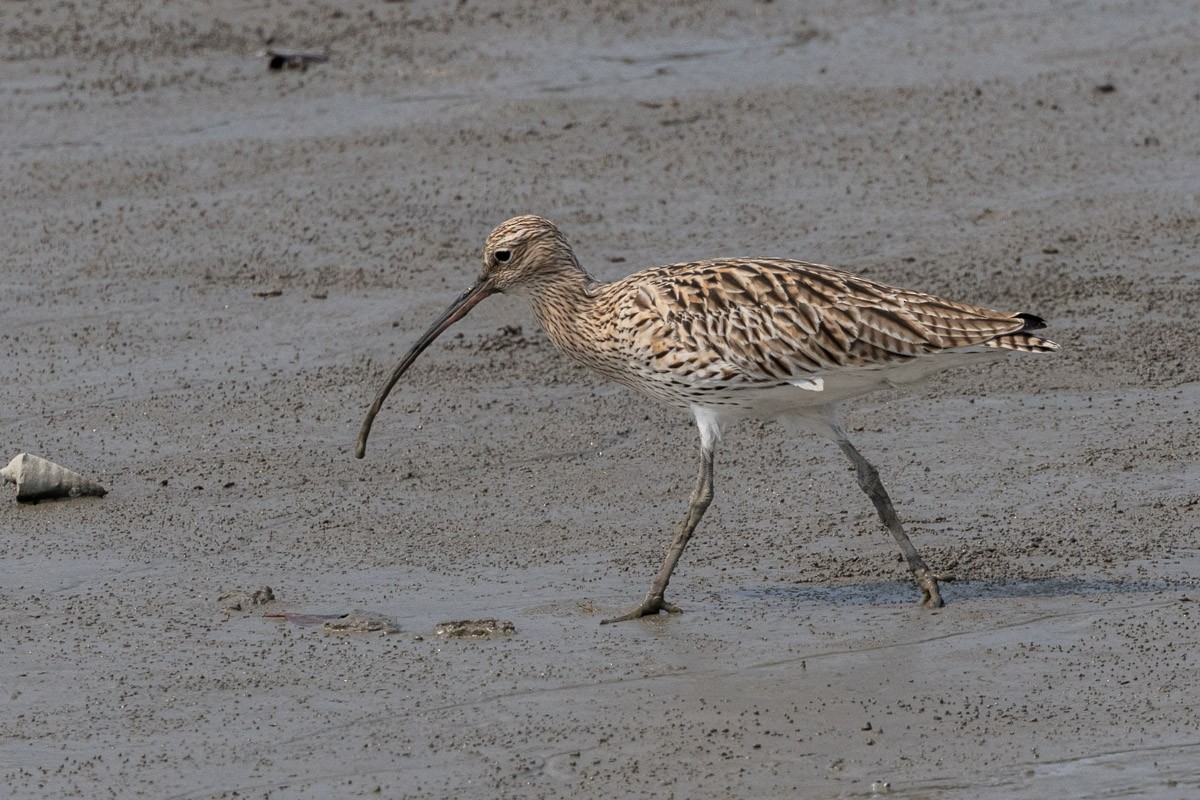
(737, 337)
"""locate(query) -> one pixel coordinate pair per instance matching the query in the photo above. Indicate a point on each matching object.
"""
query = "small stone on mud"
(475, 629)
(239, 600)
(293, 59)
(357, 622)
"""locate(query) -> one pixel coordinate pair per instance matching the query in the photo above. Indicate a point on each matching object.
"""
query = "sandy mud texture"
(208, 267)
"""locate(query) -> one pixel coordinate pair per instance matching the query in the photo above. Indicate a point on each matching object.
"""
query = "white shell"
(39, 479)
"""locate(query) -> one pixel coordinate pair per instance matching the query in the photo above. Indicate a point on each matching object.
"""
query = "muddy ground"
(207, 269)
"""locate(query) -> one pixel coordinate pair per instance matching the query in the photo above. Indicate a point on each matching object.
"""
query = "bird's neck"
(559, 301)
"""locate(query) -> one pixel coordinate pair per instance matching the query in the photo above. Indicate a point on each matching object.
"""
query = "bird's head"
(523, 252)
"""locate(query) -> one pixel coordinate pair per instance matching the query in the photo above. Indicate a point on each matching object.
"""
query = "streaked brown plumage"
(726, 338)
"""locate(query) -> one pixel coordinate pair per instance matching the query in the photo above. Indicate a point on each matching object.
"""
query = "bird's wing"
(778, 320)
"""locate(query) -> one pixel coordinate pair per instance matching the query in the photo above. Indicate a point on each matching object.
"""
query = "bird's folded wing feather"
(778, 320)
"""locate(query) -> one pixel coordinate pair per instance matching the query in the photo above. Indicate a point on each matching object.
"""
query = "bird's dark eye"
(503, 255)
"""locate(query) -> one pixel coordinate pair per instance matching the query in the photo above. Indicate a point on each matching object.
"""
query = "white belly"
(833, 386)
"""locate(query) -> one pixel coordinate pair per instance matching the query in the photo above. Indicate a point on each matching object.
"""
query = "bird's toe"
(651, 606)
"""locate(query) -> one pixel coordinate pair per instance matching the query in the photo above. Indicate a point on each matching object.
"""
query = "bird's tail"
(1023, 340)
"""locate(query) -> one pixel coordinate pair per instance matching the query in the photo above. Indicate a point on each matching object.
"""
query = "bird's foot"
(653, 604)
(931, 597)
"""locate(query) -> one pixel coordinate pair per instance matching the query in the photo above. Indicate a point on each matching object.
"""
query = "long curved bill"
(457, 310)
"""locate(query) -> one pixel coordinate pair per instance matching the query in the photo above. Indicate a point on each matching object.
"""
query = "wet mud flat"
(209, 265)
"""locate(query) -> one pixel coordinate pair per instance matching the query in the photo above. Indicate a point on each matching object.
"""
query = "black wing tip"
(1032, 322)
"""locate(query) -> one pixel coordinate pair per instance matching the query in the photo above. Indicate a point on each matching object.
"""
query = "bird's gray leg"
(702, 496)
(868, 479)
